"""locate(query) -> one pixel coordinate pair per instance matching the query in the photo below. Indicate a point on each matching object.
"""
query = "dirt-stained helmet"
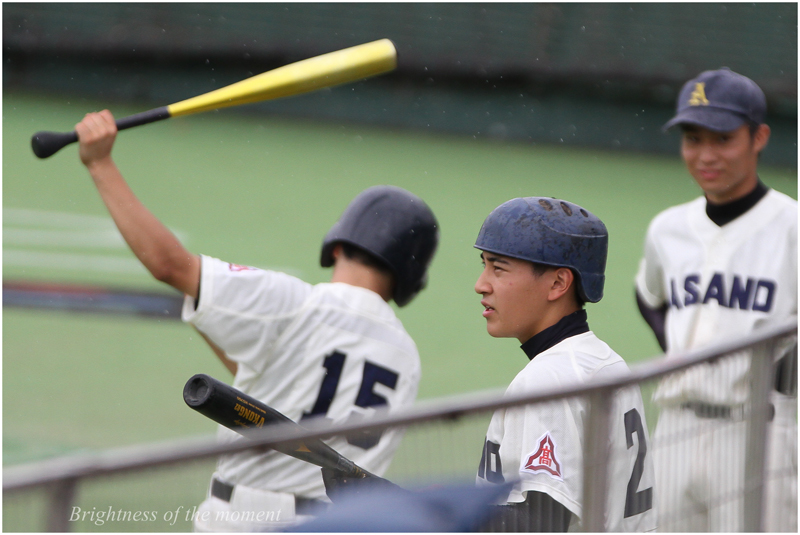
(552, 232)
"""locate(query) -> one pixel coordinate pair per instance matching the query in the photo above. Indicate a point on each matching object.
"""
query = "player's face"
(724, 164)
(514, 297)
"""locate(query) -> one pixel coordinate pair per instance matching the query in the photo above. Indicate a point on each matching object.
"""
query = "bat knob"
(45, 144)
(197, 390)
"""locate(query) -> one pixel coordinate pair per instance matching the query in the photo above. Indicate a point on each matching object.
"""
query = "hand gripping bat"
(239, 412)
(347, 65)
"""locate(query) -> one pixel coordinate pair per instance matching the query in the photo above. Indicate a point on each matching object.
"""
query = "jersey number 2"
(333, 364)
(636, 502)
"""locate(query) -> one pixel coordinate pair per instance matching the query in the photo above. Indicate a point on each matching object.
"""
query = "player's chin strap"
(538, 513)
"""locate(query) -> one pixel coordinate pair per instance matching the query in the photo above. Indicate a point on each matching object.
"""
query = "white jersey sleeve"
(244, 310)
(650, 277)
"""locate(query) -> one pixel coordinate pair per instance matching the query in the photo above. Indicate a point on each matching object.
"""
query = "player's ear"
(761, 137)
(563, 280)
(337, 252)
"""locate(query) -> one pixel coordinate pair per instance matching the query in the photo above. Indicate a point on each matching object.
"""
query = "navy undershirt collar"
(575, 323)
(722, 214)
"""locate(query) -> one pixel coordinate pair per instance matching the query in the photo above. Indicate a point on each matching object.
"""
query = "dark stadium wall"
(593, 74)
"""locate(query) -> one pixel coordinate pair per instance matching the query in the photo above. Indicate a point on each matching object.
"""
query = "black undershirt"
(722, 214)
(575, 323)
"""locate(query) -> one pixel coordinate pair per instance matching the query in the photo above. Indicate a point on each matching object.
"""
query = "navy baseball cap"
(721, 101)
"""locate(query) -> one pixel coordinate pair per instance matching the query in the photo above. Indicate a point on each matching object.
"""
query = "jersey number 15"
(333, 364)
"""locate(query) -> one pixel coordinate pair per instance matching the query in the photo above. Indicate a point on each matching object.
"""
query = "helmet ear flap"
(326, 257)
(405, 297)
(395, 227)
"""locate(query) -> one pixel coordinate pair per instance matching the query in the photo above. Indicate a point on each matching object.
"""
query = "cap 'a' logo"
(544, 459)
(698, 96)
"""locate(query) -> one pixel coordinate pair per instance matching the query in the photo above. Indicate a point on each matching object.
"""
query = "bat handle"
(45, 144)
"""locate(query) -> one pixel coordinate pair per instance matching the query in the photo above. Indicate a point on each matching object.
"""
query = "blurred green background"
(261, 186)
(262, 191)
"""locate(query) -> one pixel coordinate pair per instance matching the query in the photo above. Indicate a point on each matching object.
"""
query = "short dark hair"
(361, 256)
(753, 127)
(541, 269)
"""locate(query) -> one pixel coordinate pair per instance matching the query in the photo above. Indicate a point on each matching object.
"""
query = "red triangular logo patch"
(544, 459)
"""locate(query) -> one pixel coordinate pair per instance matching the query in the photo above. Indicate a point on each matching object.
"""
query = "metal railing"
(62, 475)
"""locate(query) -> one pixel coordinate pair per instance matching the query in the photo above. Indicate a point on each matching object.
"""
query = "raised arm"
(152, 243)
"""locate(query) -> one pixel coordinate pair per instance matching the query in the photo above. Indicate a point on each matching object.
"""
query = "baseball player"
(716, 268)
(543, 259)
(333, 350)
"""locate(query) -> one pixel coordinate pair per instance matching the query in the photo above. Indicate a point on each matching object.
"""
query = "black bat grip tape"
(45, 144)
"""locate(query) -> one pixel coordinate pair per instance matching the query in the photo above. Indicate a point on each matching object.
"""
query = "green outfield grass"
(262, 191)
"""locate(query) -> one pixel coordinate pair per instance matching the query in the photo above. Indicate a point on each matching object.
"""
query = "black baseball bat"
(239, 412)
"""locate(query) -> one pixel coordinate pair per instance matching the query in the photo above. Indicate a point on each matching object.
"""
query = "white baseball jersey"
(719, 283)
(328, 350)
(541, 446)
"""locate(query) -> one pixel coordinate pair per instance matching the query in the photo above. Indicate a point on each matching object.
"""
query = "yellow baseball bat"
(347, 65)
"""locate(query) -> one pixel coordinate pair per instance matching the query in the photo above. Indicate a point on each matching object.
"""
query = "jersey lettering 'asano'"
(732, 291)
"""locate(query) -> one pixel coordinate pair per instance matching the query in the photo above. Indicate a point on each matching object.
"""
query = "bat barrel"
(198, 390)
(328, 70)
(225, 405)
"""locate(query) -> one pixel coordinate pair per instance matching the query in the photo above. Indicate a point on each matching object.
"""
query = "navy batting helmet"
(394, 226)
(550, 232)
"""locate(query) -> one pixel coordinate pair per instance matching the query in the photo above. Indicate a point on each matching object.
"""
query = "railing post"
(595, 461)
(761, 362)
(62, 494)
